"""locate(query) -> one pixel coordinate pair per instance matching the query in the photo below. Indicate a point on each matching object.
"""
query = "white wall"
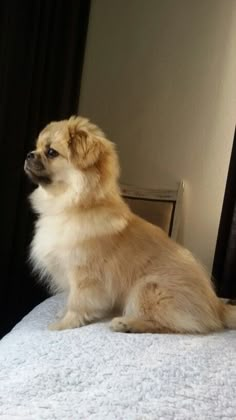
(160, 79)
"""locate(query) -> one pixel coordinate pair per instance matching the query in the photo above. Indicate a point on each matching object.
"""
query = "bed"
(94, 373)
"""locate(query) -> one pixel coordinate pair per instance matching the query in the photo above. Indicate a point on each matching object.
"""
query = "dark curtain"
(41, 55)
(224, 267)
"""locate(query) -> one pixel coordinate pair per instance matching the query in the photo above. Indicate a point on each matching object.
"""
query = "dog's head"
(72, 152)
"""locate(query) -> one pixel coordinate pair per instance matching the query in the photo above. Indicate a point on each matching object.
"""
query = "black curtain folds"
(42, 47)
(224, 267)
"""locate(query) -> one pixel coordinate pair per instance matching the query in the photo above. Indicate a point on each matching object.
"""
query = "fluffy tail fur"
(229, 316)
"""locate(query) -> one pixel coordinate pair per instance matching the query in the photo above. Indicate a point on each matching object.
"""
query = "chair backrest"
(160, 207)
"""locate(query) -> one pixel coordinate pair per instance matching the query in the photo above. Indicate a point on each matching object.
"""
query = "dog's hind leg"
(153, 308)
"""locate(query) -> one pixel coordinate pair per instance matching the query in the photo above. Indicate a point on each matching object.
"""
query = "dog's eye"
(51, 153)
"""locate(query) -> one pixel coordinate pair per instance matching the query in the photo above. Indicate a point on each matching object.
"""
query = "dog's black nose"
(30, 156)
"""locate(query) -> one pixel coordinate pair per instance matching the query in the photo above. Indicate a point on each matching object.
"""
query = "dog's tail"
(229, 315)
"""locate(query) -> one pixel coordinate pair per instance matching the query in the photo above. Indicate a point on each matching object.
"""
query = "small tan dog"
(89, 243)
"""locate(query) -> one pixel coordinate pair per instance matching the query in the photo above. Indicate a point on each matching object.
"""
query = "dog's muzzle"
(35, 169)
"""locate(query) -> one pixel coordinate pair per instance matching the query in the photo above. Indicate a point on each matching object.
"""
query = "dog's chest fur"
(63, 242)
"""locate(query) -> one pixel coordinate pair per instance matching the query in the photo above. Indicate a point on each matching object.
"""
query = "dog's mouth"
(36, 172)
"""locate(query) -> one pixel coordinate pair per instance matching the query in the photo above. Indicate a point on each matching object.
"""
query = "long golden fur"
(88, 242)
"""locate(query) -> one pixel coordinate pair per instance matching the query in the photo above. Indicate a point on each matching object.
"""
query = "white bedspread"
(93, 373)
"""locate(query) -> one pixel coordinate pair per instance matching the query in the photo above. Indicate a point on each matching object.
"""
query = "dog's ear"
(84, 148)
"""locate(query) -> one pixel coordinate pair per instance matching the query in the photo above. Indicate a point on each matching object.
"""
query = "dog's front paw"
(69, 321)
(56, 326)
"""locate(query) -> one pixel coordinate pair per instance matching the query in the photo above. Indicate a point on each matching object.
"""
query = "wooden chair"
(160, 207)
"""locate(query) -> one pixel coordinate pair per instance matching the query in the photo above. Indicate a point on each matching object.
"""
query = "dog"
(88, 243)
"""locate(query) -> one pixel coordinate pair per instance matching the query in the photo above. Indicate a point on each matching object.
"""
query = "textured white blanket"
(93, 373)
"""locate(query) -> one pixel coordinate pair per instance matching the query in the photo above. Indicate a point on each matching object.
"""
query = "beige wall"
(160, 78)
